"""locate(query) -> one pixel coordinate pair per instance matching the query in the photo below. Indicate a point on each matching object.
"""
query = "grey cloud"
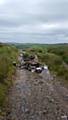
(34, 21)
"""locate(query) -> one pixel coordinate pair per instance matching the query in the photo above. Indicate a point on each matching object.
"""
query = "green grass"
(3, 91)
(8, 54)
(54, 56)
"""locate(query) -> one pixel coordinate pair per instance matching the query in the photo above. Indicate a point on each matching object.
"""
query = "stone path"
(37, 97)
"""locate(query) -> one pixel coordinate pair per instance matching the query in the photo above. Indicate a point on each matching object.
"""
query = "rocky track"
(37, 97)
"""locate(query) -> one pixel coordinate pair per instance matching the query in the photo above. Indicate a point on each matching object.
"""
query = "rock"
(40, 112)
(64, 117)
(58, 118)
(22, 108)
(41, 82)
(32, 70)
(51, 100)
(1, 118)
(66, 98)
(45, 112)
(27, 111)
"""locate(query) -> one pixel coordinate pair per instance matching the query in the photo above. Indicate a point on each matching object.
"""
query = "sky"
(34, 21)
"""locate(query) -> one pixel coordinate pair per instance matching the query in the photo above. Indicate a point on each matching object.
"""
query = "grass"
(8, 54)
(54, 56)
(3, 90)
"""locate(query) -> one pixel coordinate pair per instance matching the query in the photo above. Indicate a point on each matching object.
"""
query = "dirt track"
(37, 97)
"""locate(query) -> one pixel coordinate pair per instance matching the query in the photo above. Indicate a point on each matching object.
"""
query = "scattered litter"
(64, 117)
(45, 67)
(38, 69)
(30, 63)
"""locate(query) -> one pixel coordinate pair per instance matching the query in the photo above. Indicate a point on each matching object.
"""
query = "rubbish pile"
(31, 64)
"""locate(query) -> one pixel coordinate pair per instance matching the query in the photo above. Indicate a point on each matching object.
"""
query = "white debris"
(38, 68)
(64, 117)
(45, 67)
(32, 70)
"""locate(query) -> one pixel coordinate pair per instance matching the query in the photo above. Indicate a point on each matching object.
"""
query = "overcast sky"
(34, 21)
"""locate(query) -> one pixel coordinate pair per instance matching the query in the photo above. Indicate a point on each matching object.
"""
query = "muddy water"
(37, 97)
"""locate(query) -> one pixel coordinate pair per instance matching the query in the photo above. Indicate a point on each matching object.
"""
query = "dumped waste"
(31, 63)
